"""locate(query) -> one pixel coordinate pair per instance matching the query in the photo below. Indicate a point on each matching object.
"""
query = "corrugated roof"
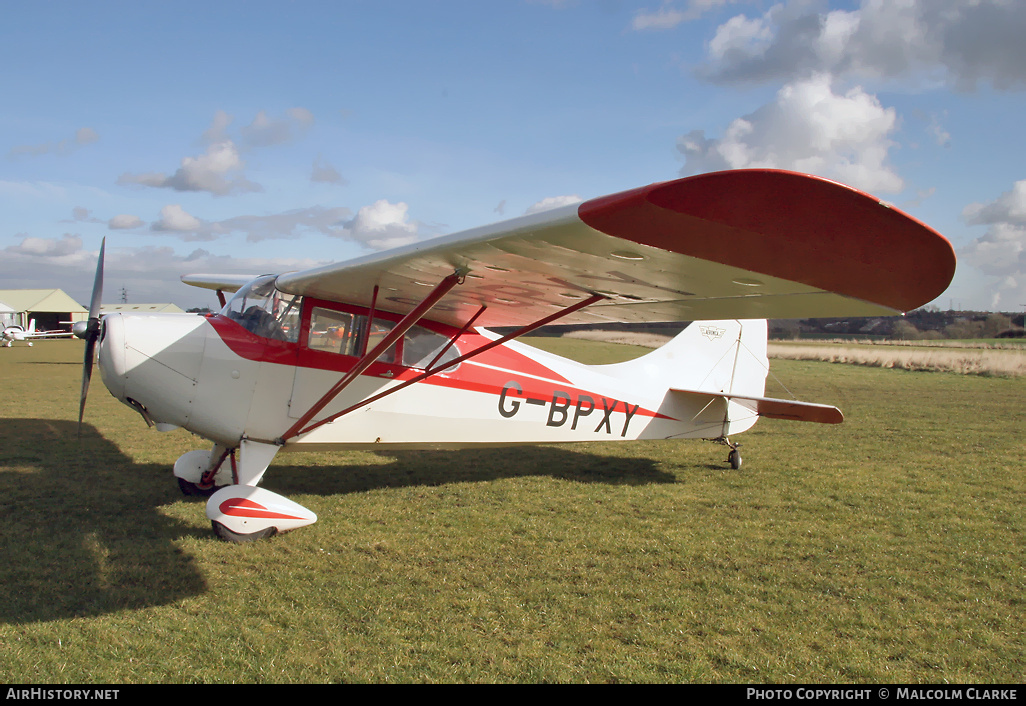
(141, 308)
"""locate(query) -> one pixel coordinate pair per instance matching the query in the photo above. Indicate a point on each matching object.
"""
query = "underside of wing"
(749, 244)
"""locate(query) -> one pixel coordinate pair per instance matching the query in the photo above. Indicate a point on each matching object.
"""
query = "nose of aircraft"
(111, 355)
(153, 361)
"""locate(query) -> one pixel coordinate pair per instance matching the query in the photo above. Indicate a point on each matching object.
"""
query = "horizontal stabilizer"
(773, 408)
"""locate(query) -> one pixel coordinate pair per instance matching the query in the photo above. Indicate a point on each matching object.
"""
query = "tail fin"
(724, 357)
(718, 369)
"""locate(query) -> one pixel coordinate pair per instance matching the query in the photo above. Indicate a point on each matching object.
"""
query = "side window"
(335, 331)
(342, 332)
(421, 346)
(380, 329)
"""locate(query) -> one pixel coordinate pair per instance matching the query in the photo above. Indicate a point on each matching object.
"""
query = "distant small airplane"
(14, 333)
(396, 349)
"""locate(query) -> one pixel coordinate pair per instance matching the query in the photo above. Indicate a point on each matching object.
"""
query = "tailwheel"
(734, 459)
(734, 455)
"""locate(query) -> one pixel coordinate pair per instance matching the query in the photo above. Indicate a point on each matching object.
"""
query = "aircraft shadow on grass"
(84, 535)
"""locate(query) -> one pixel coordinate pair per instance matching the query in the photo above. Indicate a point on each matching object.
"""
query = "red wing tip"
(793, 226)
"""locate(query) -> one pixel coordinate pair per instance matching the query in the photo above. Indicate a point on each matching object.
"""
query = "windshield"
(265, 311)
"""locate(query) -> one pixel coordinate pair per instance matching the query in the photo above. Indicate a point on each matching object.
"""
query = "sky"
(263, 137)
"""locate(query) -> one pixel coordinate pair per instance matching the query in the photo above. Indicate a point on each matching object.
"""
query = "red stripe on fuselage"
(496, 369)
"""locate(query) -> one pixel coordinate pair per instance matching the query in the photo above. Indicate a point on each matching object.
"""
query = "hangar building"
(49, 307)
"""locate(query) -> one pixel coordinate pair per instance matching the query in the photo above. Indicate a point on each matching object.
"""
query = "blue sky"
(272, 136)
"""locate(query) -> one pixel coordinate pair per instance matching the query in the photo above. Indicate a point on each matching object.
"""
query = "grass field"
(975, 357)
(887, 549)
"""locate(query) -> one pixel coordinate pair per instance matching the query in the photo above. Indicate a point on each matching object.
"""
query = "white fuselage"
(213, 377)
(12, 334)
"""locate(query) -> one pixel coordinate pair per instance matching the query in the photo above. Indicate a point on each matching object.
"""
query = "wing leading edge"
(737, 244)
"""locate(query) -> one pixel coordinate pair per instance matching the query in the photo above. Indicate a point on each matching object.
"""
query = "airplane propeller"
(90, 332)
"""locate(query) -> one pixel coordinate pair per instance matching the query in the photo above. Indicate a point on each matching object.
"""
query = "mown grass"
(887, 549)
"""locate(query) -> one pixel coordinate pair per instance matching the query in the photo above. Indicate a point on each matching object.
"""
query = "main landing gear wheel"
(227, 535)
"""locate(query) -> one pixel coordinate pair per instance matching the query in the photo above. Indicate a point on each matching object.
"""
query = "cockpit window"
(265, 311)
(343, 332)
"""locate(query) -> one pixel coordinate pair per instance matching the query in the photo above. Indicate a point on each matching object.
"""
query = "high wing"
(745, 244)
(224, 283)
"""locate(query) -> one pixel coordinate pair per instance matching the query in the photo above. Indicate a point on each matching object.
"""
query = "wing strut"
(363, 363)
(297, 428)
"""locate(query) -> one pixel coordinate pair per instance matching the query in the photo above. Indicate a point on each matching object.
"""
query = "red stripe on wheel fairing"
(241, 507)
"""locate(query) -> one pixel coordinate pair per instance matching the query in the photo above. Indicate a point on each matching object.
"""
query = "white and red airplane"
(395, 349)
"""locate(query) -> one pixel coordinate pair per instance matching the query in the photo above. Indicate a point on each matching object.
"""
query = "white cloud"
(740, 35)
(84, 215)
(290, 224)
(1000, 252)
(124, 221)
(218, 130)
(968, 41)
(67, 244)
(174, 218)
(669, 16)
(148, 274)
(218, 172)
(807, 128)
(550, 202)
(382, 225)
(1009, 208)
(664, 18)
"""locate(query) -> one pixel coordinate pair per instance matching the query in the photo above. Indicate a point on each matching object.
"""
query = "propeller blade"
(91, 334)
(94, 304)
(87, 374)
